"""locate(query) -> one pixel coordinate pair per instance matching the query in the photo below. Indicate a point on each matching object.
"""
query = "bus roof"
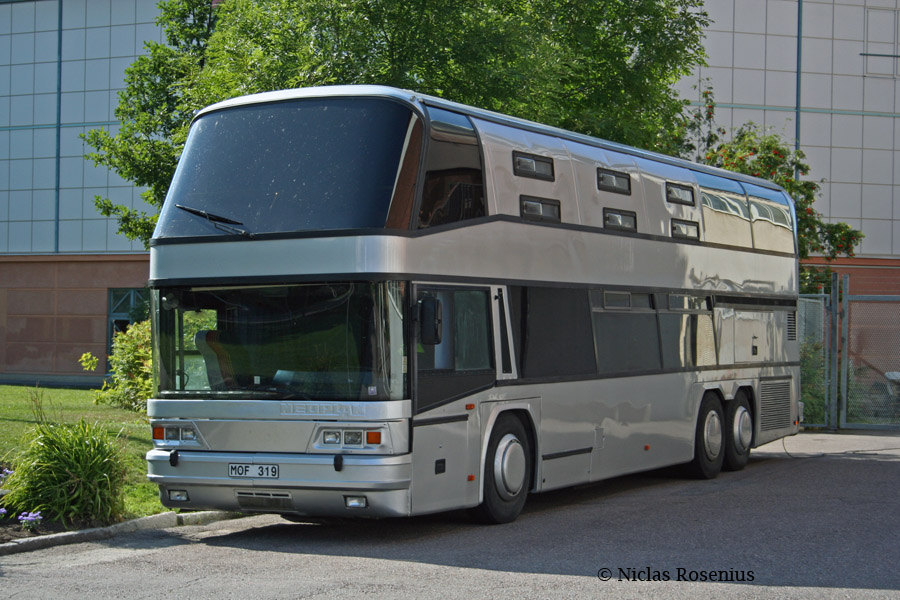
(712, 177)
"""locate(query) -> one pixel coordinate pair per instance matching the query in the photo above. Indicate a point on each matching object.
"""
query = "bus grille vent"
(264, 500)
(775, 404)
(792, 327)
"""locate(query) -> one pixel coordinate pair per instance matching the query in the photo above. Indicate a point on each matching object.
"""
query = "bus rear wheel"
(507, 472)
(738, 432)
(709, 438)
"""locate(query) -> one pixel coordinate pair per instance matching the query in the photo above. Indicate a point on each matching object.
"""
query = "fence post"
(833, 356)
(845, 351)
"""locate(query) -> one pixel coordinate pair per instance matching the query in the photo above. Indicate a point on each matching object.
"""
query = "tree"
(600, 68)
(754, 151)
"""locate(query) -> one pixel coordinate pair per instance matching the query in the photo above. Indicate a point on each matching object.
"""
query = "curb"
(160, 521)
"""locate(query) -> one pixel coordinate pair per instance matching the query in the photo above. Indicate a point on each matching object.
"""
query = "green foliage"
(131, 383)
(813, 382)
(600, 68)
(88, 362)
(70, 406)
(71, 472)
(697, 132)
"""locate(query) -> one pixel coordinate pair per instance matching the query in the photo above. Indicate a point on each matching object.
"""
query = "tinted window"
(626, 341)
(464, 360)
(301, 165)
(687, 340)
(552, 331)
(772, 225)
(454, 184)
(726, 218)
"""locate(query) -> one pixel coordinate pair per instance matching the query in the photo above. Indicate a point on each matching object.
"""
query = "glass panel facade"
(60, 71)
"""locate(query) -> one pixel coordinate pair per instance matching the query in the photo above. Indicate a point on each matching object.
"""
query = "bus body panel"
(307, 484)
(531, 253)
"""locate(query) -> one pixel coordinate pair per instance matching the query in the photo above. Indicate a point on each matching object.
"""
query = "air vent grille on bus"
(264, 500)
(775, 404)
(792, 327)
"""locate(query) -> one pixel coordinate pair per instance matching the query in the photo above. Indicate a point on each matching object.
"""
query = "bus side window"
(463, 361)
(552, 332)
(454, 180)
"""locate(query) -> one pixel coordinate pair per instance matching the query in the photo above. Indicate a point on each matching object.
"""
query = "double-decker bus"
(370, 302)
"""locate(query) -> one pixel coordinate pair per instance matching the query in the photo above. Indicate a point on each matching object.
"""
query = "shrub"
(813, 382)
(71, 472)
(130, 384)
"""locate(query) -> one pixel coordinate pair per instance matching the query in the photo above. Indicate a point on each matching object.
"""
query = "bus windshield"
(298, 165)
(336, 341)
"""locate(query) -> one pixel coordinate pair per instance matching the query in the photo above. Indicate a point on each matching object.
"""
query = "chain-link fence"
(871, 367)
(864, 333)
(813, 317)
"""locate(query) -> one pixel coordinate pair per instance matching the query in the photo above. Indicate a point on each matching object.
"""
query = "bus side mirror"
(431, 320)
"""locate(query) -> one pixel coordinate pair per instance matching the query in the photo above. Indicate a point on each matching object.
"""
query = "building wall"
(848, 103)
(53, 308)
(61, 66)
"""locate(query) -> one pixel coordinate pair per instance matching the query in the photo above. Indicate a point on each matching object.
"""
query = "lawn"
(65, 405)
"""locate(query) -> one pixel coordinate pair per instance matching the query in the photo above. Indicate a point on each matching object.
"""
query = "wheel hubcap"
(509, 465)
(743, 429)
(712, 435)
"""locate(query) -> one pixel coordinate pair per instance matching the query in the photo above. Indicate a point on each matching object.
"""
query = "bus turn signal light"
(373, 438)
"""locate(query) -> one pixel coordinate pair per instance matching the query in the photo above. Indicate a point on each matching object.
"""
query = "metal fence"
(850, 358)
(870, 362)
(813, 321)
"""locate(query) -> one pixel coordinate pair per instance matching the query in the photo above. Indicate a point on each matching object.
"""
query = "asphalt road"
(821, 520)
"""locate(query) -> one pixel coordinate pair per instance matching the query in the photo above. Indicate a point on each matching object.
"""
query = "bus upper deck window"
(679, 194)
(613, 181)
(539, 209)
(454, 179)
(533, 165)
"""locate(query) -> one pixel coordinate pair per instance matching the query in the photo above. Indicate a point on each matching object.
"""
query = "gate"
(863, 333)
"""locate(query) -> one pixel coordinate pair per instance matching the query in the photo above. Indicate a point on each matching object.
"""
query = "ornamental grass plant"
(68, 472)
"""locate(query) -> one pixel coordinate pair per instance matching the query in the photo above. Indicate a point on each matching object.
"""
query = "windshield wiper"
(218, 221)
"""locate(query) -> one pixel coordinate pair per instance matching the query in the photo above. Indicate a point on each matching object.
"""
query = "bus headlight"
(170, 434)
(353, 438)
(369, 437)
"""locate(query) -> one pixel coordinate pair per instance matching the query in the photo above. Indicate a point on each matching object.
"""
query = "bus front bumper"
(304, 484)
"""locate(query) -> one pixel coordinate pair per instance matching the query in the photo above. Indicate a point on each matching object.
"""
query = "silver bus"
(370, 302)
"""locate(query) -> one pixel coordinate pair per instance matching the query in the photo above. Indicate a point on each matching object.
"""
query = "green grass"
(68, 406)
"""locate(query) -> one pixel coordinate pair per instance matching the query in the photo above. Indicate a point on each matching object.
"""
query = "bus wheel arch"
(509, 468)
(709, 438)
(739, 431)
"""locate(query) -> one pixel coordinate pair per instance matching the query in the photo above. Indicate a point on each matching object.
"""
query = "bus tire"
(709, 451)
(738, 432)
(507, 472)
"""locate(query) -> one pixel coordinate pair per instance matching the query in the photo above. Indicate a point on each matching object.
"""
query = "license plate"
(253, 471)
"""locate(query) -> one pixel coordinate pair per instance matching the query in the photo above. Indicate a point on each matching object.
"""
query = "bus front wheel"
(738, 432)
(709, 447)
(507, 472)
